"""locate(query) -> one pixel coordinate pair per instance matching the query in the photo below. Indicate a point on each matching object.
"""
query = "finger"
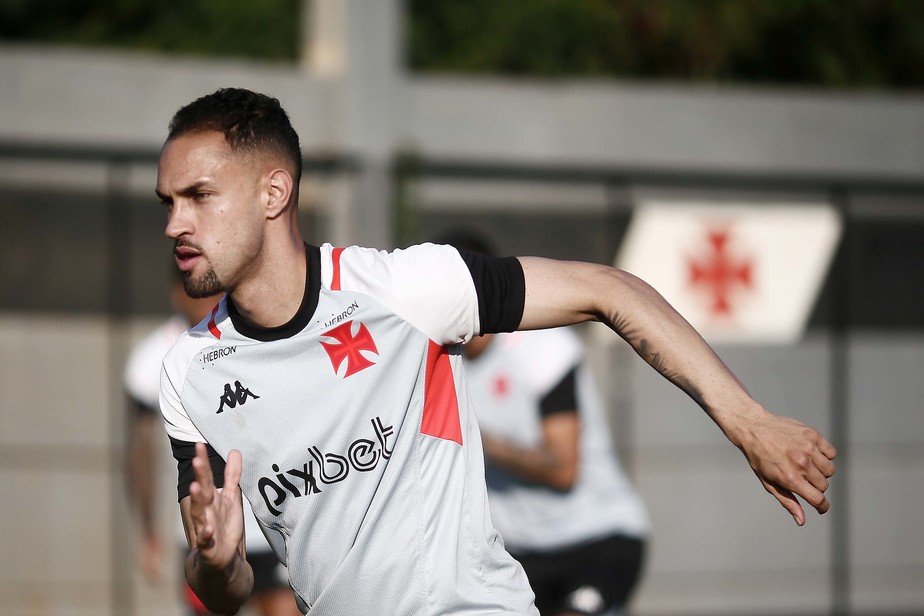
(812, 495)
(789, 502)
(827, 448)
(817, 478)
(233, 468)
(202, 468)
(197, 506)
(823, 463)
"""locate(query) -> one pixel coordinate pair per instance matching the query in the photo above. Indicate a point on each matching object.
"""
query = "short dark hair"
(249, 121)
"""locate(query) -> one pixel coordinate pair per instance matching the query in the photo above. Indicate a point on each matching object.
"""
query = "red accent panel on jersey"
(193, 601)
(441, 407)
(212, 326)
(335, 282)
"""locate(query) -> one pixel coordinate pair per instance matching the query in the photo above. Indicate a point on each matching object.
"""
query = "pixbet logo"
(361, 455)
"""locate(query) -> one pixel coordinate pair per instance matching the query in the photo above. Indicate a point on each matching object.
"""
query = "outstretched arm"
(788, 457)
(216, 567)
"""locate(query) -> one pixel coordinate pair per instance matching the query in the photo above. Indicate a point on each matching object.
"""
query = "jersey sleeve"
(501, 289)
(182, 432)
(183, 453)
(177, 423)
(549, 359)
(562, 398)
(449, 296)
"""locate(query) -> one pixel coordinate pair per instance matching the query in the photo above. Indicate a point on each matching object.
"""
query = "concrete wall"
(720, 545)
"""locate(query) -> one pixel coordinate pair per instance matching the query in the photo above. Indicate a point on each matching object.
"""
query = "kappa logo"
(350, 347)
(234, 397)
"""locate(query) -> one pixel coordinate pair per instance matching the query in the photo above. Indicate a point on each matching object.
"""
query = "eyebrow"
(183, 192)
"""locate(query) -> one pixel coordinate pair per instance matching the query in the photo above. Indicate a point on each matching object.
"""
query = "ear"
(279, 192)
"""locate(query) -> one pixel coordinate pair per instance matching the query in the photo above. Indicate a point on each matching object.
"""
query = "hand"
(790, 458)
(217, 515)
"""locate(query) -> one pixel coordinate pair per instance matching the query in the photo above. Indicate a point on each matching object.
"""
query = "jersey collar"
(305, 311)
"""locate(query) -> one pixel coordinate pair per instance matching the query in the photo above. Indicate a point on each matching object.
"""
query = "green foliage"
(841, 43)
(268, 29)
(865, 43)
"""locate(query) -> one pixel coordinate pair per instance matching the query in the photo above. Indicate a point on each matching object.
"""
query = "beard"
(205, 286)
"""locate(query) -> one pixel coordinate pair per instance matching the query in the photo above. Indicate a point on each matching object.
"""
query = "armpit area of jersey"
(501, 289)
(561, 398)
(140, 409)
(184, 452)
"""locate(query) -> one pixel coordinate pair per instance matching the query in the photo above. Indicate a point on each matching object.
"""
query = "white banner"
(744, 272)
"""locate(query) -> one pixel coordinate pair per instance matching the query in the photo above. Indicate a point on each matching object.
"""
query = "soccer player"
(271, 594)
(556, 491)
(327, 386)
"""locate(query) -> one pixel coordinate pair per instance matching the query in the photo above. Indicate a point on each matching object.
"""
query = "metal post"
(840, 426)
(118, 304)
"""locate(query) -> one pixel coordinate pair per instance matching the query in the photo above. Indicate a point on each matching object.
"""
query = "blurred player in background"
(556, 491)
(271, 593)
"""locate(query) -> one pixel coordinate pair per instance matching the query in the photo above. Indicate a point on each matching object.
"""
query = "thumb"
(233, 469)
(789, 502)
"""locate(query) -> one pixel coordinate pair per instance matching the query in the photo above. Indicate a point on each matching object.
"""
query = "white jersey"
(141, 379)
(362, 456)
(508, 381)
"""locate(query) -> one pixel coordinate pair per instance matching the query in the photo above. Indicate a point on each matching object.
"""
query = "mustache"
(184, 243)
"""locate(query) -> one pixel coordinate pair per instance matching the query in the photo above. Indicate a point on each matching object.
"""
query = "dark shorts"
(268, 574)
(587, 579)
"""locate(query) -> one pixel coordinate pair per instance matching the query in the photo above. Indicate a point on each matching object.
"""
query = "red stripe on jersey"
(335, 282)
(212, 326)
(193, 601)
(441, 407)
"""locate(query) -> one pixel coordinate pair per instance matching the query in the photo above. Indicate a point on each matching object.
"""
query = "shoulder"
(153, 347)
(544, 356)
(562, 342)
(427, 285)
(196, 338)
(144, 361)
(356, 266)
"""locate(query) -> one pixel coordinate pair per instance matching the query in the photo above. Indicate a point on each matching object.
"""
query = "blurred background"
(761, 163)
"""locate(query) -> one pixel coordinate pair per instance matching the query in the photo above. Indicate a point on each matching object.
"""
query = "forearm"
(667, 342)
(224, 590)
(140, 474)
(538, 465)
(560, 293)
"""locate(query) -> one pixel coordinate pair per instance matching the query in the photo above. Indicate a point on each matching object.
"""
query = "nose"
(179, 222)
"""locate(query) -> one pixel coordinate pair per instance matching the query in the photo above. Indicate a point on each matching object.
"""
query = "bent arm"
(786, 455)
(139, 473)
(553, 463)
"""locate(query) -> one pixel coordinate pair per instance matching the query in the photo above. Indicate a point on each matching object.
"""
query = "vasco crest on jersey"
(350, 343)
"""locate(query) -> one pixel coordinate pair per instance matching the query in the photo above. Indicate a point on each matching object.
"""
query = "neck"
(272, 295)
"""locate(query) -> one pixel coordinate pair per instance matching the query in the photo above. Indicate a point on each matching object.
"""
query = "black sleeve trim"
(562, 397)
(184, 452)
(501, 289)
